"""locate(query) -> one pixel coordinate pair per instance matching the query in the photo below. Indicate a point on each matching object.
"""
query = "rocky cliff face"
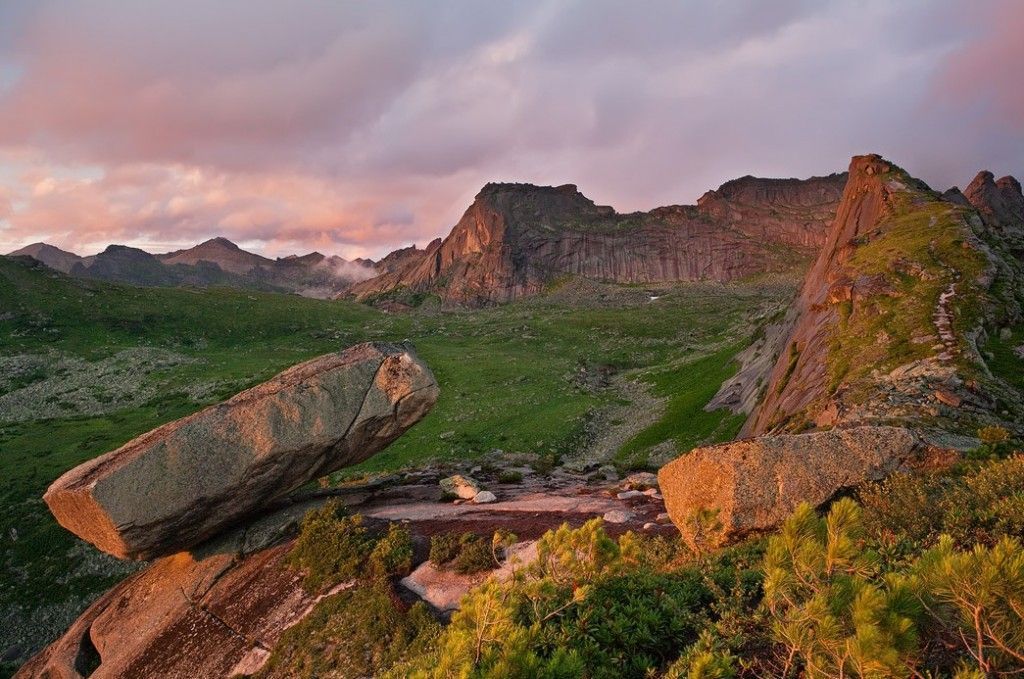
(1001, 206)
(517, 238)
(889, 317)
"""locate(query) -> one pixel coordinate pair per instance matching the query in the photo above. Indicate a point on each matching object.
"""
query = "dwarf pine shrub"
(830, 613)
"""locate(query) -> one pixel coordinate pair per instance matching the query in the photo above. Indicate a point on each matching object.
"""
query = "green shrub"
(392, 555)
(360, 632)
(510, 476)
(995, 443)
(974, 503)
(331, 548)
(469, 553)
(706, 659)
(588, 606)
(829, 612)
(979, 594)
(632, 624)
(443, 548)
(475, 555)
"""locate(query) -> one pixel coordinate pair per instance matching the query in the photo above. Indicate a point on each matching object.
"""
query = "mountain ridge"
(516, 238)
(216, 261)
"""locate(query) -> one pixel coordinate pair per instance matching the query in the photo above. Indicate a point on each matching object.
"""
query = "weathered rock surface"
(999, 201)
(754, 484)
(516, 238)
(184, 481)
(443, 588)
(184, 616)
(485, 497)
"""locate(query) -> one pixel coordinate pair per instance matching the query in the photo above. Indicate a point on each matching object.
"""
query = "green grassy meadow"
(509, 380)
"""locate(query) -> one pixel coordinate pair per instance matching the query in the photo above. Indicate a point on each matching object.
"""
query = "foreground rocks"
(183, 482)
(752, 485)
(184, 616)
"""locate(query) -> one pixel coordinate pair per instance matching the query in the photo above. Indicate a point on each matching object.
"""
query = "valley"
(92, 364)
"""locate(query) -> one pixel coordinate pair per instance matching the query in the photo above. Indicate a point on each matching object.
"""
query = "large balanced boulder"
(184, 481)
(723, 492)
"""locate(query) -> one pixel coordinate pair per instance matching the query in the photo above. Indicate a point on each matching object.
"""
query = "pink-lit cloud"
(354, 128)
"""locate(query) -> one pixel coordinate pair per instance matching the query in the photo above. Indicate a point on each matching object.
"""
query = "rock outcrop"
(885, 331)
(183, 482)
(515, 239)
(752, 485)
(212, 613)
(999, 202)
(880, 321)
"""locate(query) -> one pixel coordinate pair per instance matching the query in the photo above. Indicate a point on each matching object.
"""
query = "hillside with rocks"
(516, 239)
(892, 313)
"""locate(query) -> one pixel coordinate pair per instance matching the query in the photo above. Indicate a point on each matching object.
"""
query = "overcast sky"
(354, 128)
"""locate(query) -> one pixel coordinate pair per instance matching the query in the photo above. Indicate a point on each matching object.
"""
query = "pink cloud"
(354, 128)
(987, 69)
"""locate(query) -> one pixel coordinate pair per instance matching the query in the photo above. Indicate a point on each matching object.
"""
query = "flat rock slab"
(185, 481)
(534, 502)
(752, 485)
(443, 588)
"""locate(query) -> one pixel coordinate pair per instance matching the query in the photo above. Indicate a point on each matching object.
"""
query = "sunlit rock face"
(752, 485)
(891, 311)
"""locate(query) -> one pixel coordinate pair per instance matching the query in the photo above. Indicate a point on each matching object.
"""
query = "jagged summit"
(999, 202)
(886, 324)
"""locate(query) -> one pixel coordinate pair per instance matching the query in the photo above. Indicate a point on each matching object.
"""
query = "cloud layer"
(353, 128)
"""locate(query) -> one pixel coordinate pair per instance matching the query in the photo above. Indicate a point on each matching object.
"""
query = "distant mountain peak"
(50, 255)
(222, 241)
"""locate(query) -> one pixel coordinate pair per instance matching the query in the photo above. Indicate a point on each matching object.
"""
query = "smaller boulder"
(639, 481)
(748, 486)
(463, 487)
(618, 516)
(485, 497)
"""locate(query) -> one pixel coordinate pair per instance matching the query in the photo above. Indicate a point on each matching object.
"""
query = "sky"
(353, 128)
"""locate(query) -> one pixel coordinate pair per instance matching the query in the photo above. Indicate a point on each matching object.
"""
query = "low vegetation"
(335, 548)
(355, 633)
(918, 576)
(466, 553)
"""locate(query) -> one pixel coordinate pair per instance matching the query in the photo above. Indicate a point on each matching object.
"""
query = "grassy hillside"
(85, 366)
